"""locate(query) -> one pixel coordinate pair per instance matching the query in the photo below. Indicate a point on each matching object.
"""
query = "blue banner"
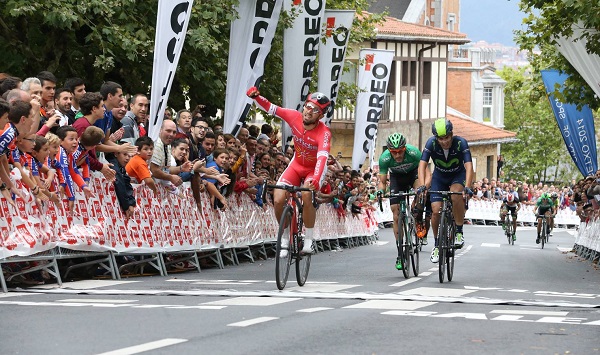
(576, 126)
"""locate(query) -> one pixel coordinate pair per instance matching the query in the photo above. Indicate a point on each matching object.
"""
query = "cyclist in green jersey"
(401, 161)
(543, 205)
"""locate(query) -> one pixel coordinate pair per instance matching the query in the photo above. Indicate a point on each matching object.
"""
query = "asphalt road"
(503, 300)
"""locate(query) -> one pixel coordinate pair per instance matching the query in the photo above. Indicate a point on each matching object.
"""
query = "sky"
(490, 20)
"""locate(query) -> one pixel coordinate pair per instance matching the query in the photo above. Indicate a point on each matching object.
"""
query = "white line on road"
(312, 310)
(248, 322)
(426, 273)
(95, 300)
(405, 282)
(490, 245)
(136, 349)
(537, 313)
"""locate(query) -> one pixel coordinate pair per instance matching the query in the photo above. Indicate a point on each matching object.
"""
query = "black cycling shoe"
(537, 240)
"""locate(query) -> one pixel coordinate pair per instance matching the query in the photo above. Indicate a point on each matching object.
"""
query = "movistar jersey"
(412, 156)
(447, 162)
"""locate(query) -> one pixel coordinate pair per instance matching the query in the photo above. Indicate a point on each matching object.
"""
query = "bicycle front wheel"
(414, 247)
(442, 244)
(451, 250)
(543, 233)
(403, 248)
(283, 256)
(302, 265)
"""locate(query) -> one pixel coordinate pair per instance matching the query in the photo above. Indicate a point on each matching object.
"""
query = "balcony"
(476, 56)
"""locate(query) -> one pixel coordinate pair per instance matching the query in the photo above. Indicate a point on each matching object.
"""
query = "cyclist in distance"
(453, 172)
(401, 161)
(510, 203)
(556, 202)
(543, 205)
(312, 140)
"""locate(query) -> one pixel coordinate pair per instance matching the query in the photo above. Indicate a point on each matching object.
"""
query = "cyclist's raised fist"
(252, 92)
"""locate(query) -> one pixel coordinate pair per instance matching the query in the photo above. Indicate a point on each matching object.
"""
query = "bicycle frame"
(445, 235)
(406, 227)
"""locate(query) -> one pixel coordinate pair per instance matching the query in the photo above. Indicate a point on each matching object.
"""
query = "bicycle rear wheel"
(282, 264)
(302, 264)
(414, 247)
(451, 250)
(442, 244)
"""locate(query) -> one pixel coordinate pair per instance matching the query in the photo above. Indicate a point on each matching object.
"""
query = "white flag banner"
(300, 46)
(373, 78)
(586, 64)
(332, 55)
(171, 26)
(249, 44)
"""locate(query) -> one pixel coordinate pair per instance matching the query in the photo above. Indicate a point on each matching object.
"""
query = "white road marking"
(389, 304)
(251, 301)
(321, 287)
(564, 250)
(524, 312)
(490, 245)
(434, 291)
(16, 294)
(219, 283)
(312, 310)
(434, 269)
(381, 243)
(425, 273)
(85, 284)
(252, 321)
(95, 300)
(136, 349)
(405, 282)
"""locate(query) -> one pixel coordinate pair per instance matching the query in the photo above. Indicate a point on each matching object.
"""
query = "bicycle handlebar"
(293, 189)
(453, 193)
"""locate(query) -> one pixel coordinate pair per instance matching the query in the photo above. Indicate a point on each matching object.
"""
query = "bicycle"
(408, 245)
(544, 236)
(508, 223)
(291, 216)
(446, 236)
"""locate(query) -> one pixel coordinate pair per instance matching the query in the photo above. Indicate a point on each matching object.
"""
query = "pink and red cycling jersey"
(311, 147)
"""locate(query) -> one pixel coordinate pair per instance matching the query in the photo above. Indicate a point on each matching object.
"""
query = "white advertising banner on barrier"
(249, 44)
(300, 46)
(171, 26)
(332, 55)
(373, 78)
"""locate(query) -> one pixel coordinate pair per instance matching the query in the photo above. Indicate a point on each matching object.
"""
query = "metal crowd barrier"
(587, 241)
(169, 224)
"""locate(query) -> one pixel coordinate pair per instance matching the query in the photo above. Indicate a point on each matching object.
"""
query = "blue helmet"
(441, 127)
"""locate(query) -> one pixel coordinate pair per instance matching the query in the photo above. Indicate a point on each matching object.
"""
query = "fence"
(587, 241)
(164, 224)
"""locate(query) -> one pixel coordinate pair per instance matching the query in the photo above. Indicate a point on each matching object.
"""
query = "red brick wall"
(459, 90)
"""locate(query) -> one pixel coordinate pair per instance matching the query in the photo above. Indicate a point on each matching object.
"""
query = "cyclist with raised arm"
(401, 161)
(510, 203)
(543, 205)
(453, 172)
(312, 140)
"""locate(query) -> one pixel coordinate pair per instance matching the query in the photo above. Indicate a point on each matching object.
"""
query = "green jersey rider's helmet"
(396, 141)
(545, 196)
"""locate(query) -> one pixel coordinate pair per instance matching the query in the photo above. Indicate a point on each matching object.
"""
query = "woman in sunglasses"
(312, 140)
(401, 161)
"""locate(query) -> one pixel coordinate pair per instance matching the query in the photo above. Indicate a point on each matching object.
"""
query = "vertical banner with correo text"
(249, 44)
(576, 126)
(373, 78)
(332, 55)
(171, 26)
(300, 46)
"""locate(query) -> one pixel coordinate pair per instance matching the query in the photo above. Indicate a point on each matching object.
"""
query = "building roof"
(396, 8)
(477, 133)
(394, 29)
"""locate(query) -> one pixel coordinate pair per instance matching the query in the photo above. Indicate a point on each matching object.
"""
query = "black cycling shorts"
(402, 183)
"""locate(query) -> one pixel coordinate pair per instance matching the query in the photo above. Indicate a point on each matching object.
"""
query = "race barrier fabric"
(587, 241)
(164, 223)
(481, 211)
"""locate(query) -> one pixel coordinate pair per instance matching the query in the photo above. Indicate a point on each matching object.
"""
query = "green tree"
(540, 154)
(547, 19)
(99, 41)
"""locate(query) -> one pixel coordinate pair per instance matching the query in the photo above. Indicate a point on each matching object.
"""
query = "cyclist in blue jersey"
(453, 172)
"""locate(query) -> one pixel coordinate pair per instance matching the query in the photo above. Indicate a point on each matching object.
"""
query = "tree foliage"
(99, 41)
(540, 154)
(547, 20)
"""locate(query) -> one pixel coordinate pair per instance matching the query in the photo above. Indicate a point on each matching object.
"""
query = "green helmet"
(545, 196)
(396, 141)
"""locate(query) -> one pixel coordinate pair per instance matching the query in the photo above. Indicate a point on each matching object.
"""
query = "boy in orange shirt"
(137, 167)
